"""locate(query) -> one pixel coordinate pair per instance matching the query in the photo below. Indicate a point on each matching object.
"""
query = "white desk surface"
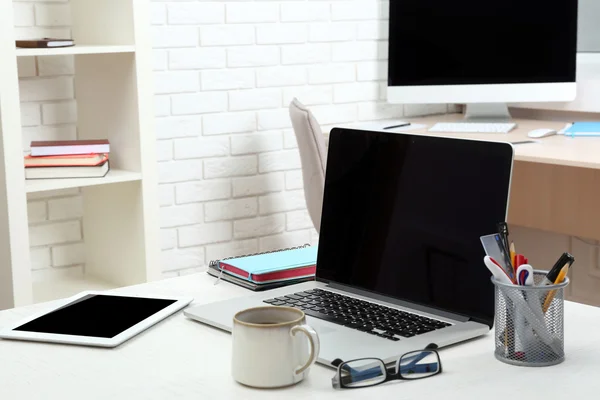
(556, 150)
(183, 359)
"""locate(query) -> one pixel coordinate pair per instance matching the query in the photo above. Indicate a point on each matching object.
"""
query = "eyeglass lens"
(361, 373)
(418, 364)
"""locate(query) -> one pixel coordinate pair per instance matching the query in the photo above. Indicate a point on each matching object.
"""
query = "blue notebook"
(583, 129)
(273, 266)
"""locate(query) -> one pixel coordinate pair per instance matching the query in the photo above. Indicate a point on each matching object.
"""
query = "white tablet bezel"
(9, 333)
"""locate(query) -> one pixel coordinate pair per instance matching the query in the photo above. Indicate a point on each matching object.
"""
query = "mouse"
(541, 133)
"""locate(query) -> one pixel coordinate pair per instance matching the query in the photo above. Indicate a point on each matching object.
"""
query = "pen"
(561, 277)
(397, 126)
(506, 256)
(503, 234)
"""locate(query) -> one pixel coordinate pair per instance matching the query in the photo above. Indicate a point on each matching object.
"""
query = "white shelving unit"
(113, 90)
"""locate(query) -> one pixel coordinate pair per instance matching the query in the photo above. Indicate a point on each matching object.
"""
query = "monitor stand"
(487, 112)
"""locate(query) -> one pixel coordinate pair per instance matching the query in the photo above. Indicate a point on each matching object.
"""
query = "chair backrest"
(311, 144)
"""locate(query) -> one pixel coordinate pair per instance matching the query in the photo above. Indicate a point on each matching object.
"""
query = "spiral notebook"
(267, 270)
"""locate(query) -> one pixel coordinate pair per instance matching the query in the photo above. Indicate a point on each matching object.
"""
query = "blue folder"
(583, 129)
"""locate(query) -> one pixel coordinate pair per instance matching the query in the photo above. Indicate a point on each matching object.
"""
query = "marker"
(499, 273)
(524, 333)
(563, 260)
(525, 275)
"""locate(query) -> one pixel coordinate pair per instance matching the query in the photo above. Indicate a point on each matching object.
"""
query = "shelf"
(77, 49)
(112, 86)
(56, 284)
(113, 176)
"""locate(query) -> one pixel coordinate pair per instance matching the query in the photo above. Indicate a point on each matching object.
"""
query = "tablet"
(95, 318)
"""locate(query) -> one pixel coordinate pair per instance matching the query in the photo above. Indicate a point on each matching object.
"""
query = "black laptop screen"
(402, 216)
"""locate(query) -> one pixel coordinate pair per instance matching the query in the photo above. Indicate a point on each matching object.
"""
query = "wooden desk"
(556, 181)
(183, 359)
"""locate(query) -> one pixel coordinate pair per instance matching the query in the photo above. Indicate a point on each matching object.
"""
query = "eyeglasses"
(366, 372)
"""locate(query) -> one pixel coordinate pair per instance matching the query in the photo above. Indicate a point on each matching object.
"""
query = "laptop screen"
(402, 216)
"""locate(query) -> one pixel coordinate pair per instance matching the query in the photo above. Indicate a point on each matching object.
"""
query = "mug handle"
(315, 345)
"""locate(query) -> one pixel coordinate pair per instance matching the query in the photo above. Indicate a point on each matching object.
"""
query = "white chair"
(311, 144)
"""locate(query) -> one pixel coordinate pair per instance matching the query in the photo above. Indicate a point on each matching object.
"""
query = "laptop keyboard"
(358, 314)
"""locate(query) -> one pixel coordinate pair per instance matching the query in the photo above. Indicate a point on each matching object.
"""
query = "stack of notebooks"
(68, 159)
(268, 270)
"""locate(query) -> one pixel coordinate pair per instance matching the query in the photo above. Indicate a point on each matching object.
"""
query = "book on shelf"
(44, 43)
(270, 267)
(69, 147)
(64, 172)
(77, 160)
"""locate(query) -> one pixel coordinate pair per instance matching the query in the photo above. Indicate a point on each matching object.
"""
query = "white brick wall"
(229, 170)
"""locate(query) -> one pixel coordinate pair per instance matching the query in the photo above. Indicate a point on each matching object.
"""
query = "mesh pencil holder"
(525, 335)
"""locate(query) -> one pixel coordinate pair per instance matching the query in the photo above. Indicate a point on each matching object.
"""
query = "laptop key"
(293, 297)
(280, 299)
(354, 324)
(278, 303)
(301, 294)
(324, 317)
(269, 301)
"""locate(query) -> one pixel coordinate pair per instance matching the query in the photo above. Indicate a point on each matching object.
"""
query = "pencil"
(513, 254)
(561, 277)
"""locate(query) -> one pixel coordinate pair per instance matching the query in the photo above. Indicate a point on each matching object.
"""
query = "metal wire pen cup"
(529, 323)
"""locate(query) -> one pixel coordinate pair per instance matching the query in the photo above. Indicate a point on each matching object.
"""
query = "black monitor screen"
(443, 42)
(403, 215)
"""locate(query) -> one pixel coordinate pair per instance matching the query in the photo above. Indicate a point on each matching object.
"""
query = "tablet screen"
(103, 316)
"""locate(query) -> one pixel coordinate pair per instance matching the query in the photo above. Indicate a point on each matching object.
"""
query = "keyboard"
(364, 316)
(473, 127)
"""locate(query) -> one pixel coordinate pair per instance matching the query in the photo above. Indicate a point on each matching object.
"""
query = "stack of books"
(268, 270)
(67, 159)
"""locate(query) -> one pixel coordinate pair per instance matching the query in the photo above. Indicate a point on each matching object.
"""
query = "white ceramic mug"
(267, 352)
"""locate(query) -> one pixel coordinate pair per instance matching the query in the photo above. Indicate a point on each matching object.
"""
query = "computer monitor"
(482, 53)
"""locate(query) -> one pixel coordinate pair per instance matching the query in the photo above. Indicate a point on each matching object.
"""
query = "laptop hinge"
(401, 303)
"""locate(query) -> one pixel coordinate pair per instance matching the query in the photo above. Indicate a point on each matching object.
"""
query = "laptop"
(400, 262)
